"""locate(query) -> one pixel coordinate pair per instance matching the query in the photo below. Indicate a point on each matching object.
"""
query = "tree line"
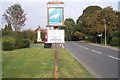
(92, 23)
(89, 26)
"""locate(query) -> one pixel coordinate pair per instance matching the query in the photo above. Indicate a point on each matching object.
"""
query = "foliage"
(8, 43)
(91, 22)
(7, 33)
(16, 16)
(42, 36)
(91, 39)
(115, 38)
(19, 43)
(8, 27)
(8, 39)
(79, 34)
(26, 43)
(29, 34)
(89, 10)
(95, 22)
(116, 33)
(115, 41)
(69, 28)
(7, 46)
(26, 34)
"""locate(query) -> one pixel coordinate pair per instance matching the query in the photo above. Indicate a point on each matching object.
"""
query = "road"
(102, 62)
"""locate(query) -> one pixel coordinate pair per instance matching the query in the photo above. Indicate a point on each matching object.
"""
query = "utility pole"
(105, 30)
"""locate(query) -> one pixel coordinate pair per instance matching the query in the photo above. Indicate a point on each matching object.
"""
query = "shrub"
(26, 43)
(7, 46)
(8, 39)
(22, 43)
(35, 41)
(92, 39)
(19, 43)
(115, 41)
(6, 33)
(8, 43)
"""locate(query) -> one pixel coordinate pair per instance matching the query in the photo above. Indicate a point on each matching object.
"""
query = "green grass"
(37, 62)
(0, 58)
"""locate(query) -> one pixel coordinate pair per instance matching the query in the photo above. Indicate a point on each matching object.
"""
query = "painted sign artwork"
(55, 16)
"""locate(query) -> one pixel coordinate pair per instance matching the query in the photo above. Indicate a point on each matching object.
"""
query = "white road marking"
(85, 48)
(97, 52)
(73, 42)
(93, 51)
(113, 57)
(80, 46)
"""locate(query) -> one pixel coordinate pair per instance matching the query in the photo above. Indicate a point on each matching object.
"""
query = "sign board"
(55, 14)
(55, 5)
(55, 36)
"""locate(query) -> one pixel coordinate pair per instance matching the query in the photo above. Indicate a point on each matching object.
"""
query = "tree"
(69, 28)
(8, 27)
(16, 16)
(89, 10)
(79, 34)
(95, 23)
(82, 21)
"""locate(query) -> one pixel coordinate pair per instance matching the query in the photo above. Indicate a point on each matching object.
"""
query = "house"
(38, 31)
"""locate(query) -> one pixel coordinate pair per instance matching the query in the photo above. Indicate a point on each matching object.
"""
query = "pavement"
(100, 61)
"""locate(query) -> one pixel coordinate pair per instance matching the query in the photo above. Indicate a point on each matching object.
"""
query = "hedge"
(26, 43)
(8, 43)
(115, 41)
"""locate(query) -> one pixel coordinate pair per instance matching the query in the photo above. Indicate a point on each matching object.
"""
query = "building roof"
(39, 29)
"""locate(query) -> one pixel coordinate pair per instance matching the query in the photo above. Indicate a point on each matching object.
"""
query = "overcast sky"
(37, 14)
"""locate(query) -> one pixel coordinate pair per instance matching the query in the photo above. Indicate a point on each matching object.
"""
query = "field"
(38, 62)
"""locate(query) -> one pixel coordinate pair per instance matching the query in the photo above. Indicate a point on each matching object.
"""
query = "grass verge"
(37, 62)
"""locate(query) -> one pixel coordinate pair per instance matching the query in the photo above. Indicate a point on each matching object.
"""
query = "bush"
(115, 41)
(92, 39)
(7, 46)
(35, 41)
(26, 43)
(22, 43)
(8, 39)
(8, 43)
(6, 33)
(19, 43)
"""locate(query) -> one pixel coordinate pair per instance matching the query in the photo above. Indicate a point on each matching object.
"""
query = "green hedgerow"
(8, 43)
(26, 43)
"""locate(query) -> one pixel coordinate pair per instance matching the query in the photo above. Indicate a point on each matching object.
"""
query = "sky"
(36, 10)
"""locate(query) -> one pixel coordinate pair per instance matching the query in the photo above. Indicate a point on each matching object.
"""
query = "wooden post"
(56, 59)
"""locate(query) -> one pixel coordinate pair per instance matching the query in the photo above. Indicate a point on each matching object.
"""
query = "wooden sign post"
(55, 18)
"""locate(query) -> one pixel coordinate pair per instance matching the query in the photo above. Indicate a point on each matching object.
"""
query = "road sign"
(55, 14)
(55, 36)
